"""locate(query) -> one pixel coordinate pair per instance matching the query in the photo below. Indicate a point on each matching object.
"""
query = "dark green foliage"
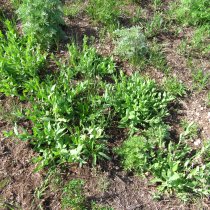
(42, 20)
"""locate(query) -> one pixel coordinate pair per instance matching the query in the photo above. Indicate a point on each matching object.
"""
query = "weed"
(42, 20)
(16, 3)
(174, 87)
(4, 182)
(208, 99)
(73, 196)
(139, 102)
(191, 130)
(201, 80)
(199, 42)
(11, 111)
(73, 9)
(20, 61)
(138, 151)
(105, 12)
(176, 168)
(193, 12)
(137, 16)
(95, 206)
(156, 25)
(156, 4)
(157, 57)
(130, 44)
(69, 115)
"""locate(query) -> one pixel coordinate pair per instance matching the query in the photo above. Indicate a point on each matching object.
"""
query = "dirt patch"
(16, 167)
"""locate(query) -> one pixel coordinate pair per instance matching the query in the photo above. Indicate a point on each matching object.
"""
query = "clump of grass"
(155, 25)
(191, 129)
(157, 58)
(196, 14)
(200, 79)
(208, 99)
(174, 87)
(73, 196)
(193, 12)
(73, 9)
(105, 12)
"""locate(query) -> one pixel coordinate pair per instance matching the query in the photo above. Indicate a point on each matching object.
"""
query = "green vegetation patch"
(42, 20)
(20, 61)
(175, 167)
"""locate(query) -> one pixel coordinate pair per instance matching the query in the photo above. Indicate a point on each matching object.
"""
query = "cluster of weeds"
(139, 102)
(42, 20)
(193, 12)
(155, 25)
(69, 112)
(196, 14)
(20, 61)
(175, 167)
(174, 87)
(200, 79)
(208, 99)
(73, 196)
(105, 12)
(157, 58)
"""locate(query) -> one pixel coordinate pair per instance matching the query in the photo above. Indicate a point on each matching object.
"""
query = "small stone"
(197, 142)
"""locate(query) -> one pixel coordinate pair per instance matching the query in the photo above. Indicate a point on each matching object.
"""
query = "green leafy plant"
(130, 44)
(139, 102)
(105, 12)
(69, 111)
(20, 61)
(73, 196)
(42, 20)
(174, 87)
(155, 25)
(138, 151)
(201, 79)
(176, 168)
(193, 12)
